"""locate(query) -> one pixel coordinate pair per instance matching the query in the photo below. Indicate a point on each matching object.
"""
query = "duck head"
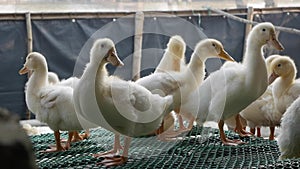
(282, 66)
(264, 33)
(209, 48)
(269, 60)
(104, 50)
(34, 60)
(176, 45)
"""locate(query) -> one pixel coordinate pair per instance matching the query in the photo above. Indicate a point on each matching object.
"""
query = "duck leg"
(58, 147)
(71, 135)
(224, 139)
(182, 128)
(160, 130)
(252, 130)
(272, 130)
(170, 135)
(116, 149)
(239, 128)
(76, 136)
(118, 160)
(167, 126)
(258, 132)
(86, 134)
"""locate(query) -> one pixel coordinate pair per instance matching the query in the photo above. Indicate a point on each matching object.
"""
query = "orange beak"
(272, 78)
(275, 42)
(24, 70)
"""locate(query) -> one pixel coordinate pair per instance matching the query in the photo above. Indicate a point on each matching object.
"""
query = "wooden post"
(248, 26)
(138, 38)
(29, 47)
(29, 32)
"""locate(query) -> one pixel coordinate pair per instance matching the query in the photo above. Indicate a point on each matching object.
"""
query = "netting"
(200, 148)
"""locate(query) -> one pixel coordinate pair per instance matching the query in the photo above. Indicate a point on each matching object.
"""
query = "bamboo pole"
(138, 37)
(248, 26)
(279, 28)
(29, 47)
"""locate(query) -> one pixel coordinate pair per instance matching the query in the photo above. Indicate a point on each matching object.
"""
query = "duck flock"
(256, 92)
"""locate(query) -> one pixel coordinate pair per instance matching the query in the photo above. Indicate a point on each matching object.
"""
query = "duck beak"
(272, 77)
(224, 55)
(24, 70)
(275, 42)
(113, 58)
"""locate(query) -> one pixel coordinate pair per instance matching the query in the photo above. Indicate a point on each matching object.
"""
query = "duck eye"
(263, 29)
(214, 45)
(279, 65)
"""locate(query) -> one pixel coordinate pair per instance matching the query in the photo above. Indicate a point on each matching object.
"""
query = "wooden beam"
(248, 26)
(29, 32)
(138, 38)
(279, 28)
(99, 14)
(29, 48)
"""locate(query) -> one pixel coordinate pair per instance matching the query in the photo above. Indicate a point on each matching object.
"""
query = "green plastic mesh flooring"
(200, 148)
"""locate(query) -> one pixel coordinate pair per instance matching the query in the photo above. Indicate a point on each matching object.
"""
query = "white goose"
(231, 89)
(285, 89)
(52, 104)
(262, 112)
(288, 139)
(182, 84)
(123, 107)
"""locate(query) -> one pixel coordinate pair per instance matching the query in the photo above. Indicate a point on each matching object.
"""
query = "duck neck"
(283, 84)
(255, 65)
(39, 78)
(196, 70)
(101, 74)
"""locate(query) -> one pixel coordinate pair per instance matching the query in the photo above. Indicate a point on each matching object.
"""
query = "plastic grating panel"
(200, 148)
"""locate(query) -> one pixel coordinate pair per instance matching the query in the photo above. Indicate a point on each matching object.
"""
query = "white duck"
(52, 95)
(231, 89)
(261, 112)
(123, 107)
(288, 139)
(285, 89)
(182, 84)
(52, 104)
(172, 60)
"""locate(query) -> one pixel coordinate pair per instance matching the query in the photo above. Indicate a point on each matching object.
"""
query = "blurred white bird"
(16, 150)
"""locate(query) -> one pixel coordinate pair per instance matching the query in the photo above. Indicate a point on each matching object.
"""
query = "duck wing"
(131, 109)
(222, 94)
(294, 92)
(161, 83)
